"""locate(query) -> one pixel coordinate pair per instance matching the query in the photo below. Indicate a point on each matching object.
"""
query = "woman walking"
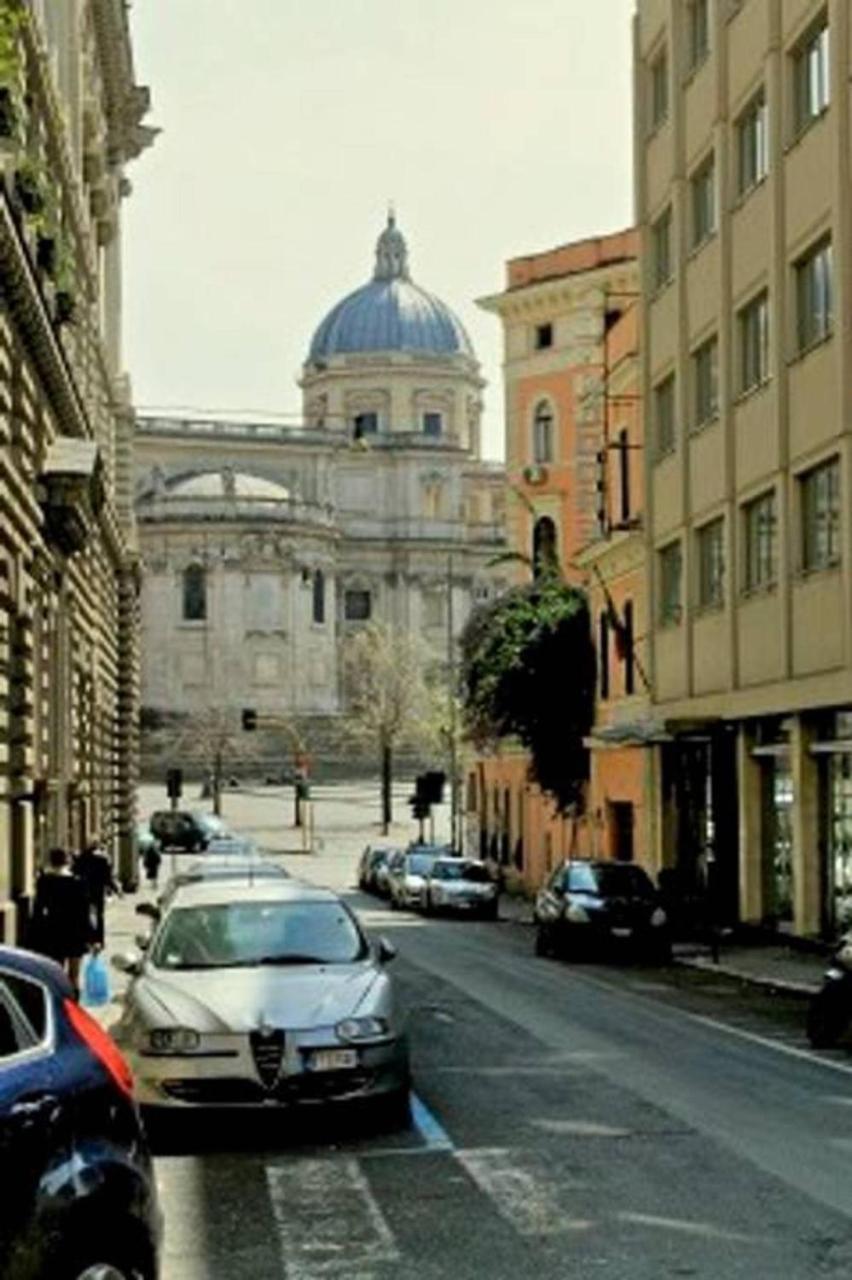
(61, 927)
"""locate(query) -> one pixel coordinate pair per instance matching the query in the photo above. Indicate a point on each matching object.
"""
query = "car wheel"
(394, 1111)
(105, 1271)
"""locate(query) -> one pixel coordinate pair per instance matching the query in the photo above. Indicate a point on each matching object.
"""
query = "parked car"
(230, 846)
(211, 823)
(242, 870)
(461, 885)
(179, 829)
(407, 876)
(601, 906)
(251, 995)
(79, 1199)
(372, 868)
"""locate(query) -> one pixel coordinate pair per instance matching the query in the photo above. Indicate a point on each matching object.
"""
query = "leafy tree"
(387, 698)
(528, 671)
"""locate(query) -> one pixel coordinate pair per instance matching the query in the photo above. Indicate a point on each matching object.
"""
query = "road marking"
(523, 1199)
(329, 1222)
(688, 1227)
(581, 1129)
(431, 1131)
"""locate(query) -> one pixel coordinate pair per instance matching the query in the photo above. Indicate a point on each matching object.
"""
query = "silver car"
(259, 994)
(460, 884)
(407, 874)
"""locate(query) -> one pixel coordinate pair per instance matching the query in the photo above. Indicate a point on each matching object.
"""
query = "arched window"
(545, 558)
(543, 433)
(194, 593)
(319, 596)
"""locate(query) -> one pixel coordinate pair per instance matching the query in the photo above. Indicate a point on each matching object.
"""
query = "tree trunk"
(387, 772)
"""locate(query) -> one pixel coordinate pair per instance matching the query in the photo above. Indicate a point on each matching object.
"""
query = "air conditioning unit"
(535, 474)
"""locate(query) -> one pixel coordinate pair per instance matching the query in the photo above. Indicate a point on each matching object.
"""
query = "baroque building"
(264, 545)
(70, 122)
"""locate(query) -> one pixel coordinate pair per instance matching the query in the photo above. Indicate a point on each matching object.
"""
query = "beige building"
(70, 121)
(745, 203)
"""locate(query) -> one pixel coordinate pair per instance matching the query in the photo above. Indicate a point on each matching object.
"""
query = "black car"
(603, 907)
(79, 1199)
(179, 829)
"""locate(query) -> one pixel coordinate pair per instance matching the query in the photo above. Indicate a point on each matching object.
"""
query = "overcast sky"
(496, 127)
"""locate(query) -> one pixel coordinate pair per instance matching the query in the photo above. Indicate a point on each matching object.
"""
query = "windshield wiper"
(290, 957)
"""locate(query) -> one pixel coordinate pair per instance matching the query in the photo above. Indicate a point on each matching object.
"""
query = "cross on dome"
(391, 252)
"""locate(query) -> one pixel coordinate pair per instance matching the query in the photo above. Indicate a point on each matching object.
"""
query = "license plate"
(622, 933)
(334, 1059)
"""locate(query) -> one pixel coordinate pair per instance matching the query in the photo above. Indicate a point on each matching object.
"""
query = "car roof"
(456, 860)
(34, 966)
(224, 892)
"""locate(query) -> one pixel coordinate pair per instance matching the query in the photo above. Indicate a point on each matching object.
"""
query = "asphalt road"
(568, 1121)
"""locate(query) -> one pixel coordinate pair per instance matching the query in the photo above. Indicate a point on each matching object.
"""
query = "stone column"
(806, 854)
(751, 833)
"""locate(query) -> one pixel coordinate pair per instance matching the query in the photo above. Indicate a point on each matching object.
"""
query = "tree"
(386, 695)
(528, 671)
(213, 737)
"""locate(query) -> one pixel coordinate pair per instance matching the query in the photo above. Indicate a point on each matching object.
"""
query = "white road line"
(329, 1222)
(525, 1200)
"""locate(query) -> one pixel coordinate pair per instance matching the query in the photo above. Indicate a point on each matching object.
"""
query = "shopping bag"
(96, 986)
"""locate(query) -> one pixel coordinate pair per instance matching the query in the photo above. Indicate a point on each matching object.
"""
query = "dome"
(226, 483)
(391, 313)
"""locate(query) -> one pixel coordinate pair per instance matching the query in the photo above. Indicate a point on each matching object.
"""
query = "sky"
(495, 128)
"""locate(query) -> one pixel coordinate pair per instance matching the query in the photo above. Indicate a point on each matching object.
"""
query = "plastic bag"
(96, 985)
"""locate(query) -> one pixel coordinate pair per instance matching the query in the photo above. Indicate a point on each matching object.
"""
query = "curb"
(765, 981)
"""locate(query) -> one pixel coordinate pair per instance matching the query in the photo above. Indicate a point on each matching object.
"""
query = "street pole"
(451, 668)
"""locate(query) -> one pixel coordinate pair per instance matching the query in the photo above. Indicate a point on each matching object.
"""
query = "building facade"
(745, 204)
(70, 122)
(557, 311)
(264, 545)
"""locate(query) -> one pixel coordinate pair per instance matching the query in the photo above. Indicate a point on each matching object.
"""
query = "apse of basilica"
(263, 545)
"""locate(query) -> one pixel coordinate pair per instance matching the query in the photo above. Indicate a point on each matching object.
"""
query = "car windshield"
(419, 864)
(226, 935)
(458, 870)
(615, 881)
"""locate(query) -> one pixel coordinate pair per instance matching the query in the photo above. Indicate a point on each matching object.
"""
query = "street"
(573, 1119)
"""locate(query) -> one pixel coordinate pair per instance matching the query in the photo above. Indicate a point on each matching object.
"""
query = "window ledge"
(662, 454)
(752, 391)
(699, 427)
(709, 609)
(657, 125)
(669, 624)
(744, 196)
(813, 345)
(818, 570)
(758, 589)
(706, 239)
(805, 128)
(693, 70)
(192, 624)
(659, 289)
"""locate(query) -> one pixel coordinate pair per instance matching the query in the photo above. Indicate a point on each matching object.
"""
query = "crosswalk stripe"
(329, 1222)
(521, 1197)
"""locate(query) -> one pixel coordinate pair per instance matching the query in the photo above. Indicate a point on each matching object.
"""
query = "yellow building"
(70, 120)
(745, 204)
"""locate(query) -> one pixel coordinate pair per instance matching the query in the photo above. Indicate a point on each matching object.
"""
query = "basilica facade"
(263, 545)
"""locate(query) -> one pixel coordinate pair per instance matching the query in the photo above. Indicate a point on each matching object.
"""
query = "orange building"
(569, 332)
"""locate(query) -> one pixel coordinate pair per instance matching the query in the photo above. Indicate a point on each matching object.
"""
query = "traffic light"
(249, 718)
(419, 808)
(433, 786)
(174, 783)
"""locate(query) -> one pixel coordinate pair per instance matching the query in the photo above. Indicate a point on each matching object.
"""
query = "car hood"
(222, 1000)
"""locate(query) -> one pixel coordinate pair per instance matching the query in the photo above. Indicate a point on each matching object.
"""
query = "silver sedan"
(460, 885)
(260, 994)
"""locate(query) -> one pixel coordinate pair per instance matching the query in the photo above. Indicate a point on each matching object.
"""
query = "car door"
(29, 1108)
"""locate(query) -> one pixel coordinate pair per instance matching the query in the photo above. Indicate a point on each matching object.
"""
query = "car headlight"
(173, 1040)
(658, 917)
(362, 1028)
(576, 914)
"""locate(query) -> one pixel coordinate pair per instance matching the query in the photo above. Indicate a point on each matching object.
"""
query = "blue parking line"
(430, 1130)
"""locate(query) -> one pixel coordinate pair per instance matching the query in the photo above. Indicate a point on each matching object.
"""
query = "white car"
(407, 874)
(250, 995)
(461, 885)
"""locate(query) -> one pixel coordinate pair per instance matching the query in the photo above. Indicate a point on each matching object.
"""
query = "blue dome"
(391, 313)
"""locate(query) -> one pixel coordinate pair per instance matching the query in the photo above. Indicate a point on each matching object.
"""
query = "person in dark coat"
(61, 927)
(93, 868)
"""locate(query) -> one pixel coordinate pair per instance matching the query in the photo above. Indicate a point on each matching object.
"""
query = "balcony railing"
(238, 509)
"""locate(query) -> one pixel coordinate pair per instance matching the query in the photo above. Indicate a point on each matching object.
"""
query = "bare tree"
(213, 737)
(387, 698)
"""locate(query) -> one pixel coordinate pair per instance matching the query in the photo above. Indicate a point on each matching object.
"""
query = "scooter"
(830, 1010)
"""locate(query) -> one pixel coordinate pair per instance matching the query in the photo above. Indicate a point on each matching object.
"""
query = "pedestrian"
(152, 859)
(60, 924)
(94, 869)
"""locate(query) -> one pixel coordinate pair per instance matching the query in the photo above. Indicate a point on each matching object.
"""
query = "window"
(664, 415)
(543, 433)
(433, 424)
(814, 296)
(698, 32)
(811, 76)
(760, 542)
(703, 195)
(357, 606)
(543, 336)
(434, 610)
(754, 343)
(23, 1014)
(623, 447)
(627, 648)
(659, 89)
(711, 565)
(545, 558)
(670, 569)
(752, 144)
(820, 506)
(705, 379)
(194, 593)
(603, 654)
(364, 424)
(319, 596)
(661, 250)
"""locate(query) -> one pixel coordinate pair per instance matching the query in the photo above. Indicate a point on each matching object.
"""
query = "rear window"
(23, 1014)
(419, 864)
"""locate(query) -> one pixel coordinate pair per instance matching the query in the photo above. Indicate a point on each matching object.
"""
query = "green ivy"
(528, 671)
(13, 17)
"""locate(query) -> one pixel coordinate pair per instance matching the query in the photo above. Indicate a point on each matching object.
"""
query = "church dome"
(390, 313)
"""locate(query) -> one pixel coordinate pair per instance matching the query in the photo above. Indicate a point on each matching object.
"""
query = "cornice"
(127, 103)
(568, 289)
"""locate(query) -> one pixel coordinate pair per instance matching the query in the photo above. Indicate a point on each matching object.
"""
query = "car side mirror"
(127, 962)
(143, 941)
(148, 909)
(385, 951)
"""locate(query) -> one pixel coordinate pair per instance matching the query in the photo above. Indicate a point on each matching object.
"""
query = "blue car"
(78, 1201)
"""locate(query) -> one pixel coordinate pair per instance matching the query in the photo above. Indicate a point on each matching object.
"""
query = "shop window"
(194, 593)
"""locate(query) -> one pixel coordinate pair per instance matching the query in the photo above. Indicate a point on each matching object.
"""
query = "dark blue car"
(78, 1200)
